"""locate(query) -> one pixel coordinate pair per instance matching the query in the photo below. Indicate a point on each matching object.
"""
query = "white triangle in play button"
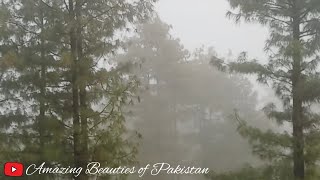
(13, 169)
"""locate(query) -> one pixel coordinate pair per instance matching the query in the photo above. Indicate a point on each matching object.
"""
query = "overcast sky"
(203, 22)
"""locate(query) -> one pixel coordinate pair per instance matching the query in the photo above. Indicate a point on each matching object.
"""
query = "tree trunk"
(83, 96)
(297, 121)
(84, 132)
(42, 109)
(75, 89)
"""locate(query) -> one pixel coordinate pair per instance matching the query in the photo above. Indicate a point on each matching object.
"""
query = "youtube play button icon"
(13, 169)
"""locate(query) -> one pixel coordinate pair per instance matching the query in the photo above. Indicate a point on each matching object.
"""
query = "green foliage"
(36, 68)
(292, 71)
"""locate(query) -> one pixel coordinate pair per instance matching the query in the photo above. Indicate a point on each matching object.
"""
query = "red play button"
(13, 169)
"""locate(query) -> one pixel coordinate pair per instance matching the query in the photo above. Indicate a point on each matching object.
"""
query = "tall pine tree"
(92, 26)
(61, 104)
(292, 70)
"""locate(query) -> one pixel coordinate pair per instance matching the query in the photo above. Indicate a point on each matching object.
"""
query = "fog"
(216, 30)
(160, 89)
(204, 22)
(186, 111)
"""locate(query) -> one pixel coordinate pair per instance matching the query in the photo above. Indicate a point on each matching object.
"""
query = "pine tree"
(30, 57)
(34, 126)
(92, 27)
(292, 71)
(64, 105)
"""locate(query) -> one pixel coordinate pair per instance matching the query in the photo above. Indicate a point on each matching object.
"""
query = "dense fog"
(159, 89)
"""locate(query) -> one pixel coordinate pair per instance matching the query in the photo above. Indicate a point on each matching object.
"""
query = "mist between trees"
(105, 81)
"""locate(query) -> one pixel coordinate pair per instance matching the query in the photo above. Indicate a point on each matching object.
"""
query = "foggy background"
(186, 109)
(141, 90)
(204, 23)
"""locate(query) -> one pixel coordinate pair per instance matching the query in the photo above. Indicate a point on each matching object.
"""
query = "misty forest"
(107, 81)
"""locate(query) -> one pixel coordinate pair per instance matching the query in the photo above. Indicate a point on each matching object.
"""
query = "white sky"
(204, 22)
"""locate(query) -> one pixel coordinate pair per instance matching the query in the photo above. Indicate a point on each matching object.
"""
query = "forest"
(110, 83)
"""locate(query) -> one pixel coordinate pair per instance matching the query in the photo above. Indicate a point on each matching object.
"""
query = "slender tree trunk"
(42, 109)
(75, 88)
(84, 132)
(83, 96)
(41, 117)
(297, 119)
